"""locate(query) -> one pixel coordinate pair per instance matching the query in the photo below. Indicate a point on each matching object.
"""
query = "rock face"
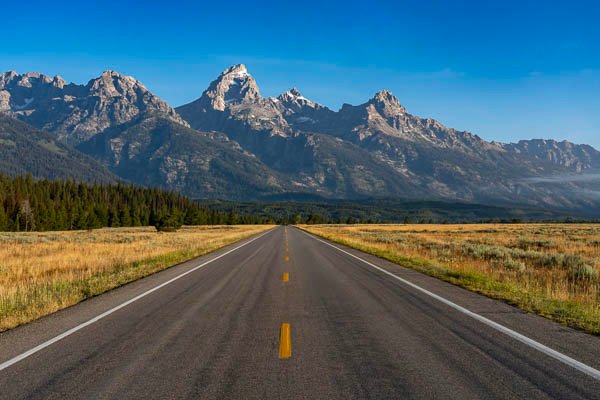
(76, 113)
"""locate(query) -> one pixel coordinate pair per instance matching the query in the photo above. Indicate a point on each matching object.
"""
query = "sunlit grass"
(549, 269)
(44, 272)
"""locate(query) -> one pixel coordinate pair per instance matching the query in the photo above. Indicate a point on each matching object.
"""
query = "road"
(335, 327)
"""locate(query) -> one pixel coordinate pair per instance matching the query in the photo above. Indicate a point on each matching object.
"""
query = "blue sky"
(504, 70)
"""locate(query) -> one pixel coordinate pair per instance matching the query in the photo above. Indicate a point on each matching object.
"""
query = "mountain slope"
(24, 149)
(73, 112)
(155, 151)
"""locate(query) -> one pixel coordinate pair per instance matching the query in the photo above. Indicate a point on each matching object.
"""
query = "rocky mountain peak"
(112, 84)
(28, 80)
(234, 85)
(6, 77)
(293, 101)
(58, 81)
(34, 75)
(387, 104)
(238, 70)
(293, 96)
(111, 72)
(74, 112)
(295, 92)
(9, 74)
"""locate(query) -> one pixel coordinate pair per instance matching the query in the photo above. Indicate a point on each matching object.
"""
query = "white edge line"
(71, 331)
(586, 369)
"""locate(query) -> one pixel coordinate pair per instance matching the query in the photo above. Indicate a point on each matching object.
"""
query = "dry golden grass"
(44, 272)
(549, 269)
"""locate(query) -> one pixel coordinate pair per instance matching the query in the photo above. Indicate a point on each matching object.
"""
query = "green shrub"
(526, 244)
(168, 222)
(583, 273)
(514, 265)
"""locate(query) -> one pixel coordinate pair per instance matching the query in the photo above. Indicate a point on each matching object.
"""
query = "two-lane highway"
(287, 315)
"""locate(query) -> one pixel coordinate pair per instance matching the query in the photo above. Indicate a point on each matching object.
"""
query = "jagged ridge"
(77, 112)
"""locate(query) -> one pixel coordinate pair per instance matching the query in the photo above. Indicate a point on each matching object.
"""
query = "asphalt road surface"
(233, 326)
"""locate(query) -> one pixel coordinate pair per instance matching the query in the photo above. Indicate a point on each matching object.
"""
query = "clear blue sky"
(502, 69)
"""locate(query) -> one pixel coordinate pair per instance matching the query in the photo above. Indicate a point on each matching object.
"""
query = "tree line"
(27, 204)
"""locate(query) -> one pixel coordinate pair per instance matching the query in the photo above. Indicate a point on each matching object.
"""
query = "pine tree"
(4, 221)
(125, 216)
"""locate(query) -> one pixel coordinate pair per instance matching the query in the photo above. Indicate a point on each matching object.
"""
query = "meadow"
(42, 272)
(549, 269)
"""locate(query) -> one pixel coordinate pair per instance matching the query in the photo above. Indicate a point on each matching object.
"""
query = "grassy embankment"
(41, 273)
(549, 269)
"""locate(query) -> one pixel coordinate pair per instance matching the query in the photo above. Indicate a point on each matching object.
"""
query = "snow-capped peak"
(387, 103)
(293, 95)
(234, 85)
(236, 71)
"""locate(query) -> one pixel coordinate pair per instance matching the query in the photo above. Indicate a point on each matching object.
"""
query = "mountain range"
(233, 143)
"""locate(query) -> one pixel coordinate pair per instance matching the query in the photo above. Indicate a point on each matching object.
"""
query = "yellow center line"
(285, 341)
(285, 335)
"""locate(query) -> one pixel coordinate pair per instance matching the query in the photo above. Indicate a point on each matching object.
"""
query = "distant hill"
(24, 149)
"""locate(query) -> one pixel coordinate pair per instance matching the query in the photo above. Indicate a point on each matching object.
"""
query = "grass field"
(549, 269)
(44, 272)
